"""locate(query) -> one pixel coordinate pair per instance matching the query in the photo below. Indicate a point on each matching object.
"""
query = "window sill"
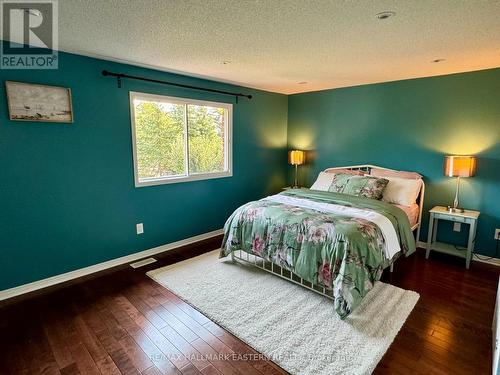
(176, 179)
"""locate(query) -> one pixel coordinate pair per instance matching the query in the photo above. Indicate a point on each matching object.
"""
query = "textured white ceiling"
(274, 44)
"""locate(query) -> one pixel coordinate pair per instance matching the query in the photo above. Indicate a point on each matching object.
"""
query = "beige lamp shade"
(296, 157)
(459, 166)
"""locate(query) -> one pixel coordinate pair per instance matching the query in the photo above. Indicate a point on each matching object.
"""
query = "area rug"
(295, 327)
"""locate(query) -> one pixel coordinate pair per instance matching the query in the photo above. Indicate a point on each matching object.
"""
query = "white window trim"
(228, 145)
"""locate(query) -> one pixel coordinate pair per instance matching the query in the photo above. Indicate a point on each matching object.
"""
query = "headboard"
(420, 199)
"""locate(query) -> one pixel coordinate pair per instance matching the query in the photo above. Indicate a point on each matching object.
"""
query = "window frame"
(228, 145)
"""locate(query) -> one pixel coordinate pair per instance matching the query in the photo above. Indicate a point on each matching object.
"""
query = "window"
(178, 139)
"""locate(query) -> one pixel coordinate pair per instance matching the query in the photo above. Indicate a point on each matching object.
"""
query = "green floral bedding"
(361, 186)
(343, 253)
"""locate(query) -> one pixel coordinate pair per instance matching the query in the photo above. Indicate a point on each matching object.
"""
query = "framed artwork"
(33, 102)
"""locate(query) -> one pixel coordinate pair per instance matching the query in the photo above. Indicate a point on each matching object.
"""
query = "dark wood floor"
(124, 322)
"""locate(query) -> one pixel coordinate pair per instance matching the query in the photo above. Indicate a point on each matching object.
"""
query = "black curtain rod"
(119, 77)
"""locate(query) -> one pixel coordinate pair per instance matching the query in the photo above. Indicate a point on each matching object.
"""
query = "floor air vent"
(142, 263)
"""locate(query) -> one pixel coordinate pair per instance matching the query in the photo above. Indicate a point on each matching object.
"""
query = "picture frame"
(38, 103)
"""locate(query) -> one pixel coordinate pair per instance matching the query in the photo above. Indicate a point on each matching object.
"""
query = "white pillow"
(402, 191)
(323, 181)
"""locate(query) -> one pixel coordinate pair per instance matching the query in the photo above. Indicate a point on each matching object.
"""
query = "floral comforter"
(338, 251)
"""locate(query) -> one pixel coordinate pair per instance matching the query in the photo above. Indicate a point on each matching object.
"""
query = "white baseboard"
(44, 283)
(40, 284)
(494, 261)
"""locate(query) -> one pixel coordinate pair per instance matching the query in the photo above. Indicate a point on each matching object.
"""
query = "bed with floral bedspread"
(338, 241)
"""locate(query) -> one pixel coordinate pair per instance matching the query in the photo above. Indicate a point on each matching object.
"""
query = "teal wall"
(67, 195)
(410, 125)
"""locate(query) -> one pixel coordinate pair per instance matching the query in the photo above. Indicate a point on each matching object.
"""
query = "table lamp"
(459, 166)
(296, 158)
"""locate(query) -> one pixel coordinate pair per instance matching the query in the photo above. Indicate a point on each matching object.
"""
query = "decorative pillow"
(339, 182)
(361, 186)
(403, 191)
(323, 181)
(325, 178)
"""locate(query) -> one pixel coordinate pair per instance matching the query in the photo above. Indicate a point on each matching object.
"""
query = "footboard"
(256, 261)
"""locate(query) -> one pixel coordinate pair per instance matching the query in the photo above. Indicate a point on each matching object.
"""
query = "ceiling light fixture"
(301, 83)
(385, 15)
(438, 60)
(225, 62)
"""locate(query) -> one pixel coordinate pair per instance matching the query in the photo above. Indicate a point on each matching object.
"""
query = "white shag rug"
(295, 327)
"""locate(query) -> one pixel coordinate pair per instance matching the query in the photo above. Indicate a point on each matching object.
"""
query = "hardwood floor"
(125, 323)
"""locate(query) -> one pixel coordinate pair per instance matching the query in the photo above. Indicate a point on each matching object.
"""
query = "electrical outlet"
(139, 228)
(497, 234)
(457, 227)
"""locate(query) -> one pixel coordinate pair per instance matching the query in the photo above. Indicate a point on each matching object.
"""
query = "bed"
(334, 244)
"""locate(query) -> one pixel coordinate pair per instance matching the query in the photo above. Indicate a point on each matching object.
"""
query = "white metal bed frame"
(256, 261)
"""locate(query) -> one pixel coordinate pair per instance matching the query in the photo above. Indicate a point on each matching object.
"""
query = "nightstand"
(466, 217)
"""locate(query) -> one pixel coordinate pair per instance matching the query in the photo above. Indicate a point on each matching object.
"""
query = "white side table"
(466, 217)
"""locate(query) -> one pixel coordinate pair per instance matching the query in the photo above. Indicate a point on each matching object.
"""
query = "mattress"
(411, 211)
